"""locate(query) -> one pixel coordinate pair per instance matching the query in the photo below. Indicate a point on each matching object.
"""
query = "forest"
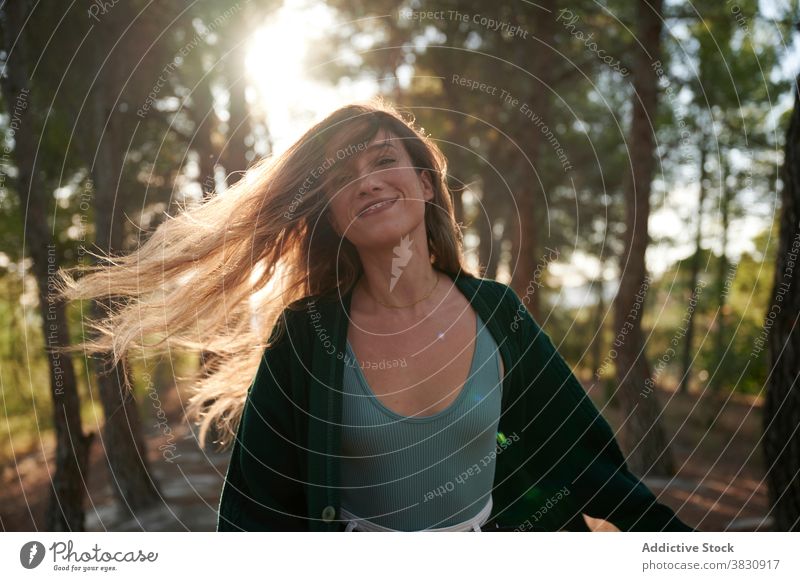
(630, 169)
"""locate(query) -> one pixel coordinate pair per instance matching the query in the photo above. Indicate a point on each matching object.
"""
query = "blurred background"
(628, 167)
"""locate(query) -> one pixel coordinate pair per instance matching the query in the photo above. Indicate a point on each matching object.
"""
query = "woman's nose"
(371, 182)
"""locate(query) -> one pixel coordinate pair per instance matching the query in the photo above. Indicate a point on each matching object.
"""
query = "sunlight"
(275, 58)
(290, 98)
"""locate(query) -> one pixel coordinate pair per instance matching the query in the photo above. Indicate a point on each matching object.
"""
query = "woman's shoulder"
(495, 291)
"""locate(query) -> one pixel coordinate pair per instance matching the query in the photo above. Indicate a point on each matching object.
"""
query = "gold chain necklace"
(412, 304)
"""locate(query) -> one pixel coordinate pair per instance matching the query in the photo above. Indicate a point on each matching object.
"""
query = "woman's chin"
(380, 233)
(385, 235)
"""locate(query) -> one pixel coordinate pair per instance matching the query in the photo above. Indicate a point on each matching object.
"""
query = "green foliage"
(24, 371)
(738, 366)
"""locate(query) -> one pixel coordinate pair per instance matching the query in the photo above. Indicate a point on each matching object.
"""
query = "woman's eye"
(385, 159)
(341, 180)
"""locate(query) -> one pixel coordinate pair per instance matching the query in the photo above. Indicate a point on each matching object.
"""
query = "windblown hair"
(216, 276)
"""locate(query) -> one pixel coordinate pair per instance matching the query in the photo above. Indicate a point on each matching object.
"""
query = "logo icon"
(401, 258)
(31, 554)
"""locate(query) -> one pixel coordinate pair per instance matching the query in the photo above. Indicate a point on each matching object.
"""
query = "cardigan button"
(328, 513)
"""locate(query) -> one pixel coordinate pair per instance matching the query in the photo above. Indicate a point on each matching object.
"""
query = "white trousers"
(473, 524)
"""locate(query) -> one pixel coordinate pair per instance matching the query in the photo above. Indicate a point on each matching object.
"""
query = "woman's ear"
(427, 185)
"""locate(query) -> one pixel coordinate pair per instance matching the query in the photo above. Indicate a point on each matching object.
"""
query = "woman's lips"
(378, 208)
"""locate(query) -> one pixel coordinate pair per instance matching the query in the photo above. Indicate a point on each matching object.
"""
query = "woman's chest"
(423, 370)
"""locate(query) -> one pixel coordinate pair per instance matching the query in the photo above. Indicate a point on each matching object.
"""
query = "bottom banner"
(396, 555)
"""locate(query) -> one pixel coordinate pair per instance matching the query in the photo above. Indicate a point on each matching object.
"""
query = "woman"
(397, 390)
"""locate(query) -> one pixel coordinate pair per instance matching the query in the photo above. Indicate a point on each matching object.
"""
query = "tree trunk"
(488, 213)
(65, 509)
(486, 245)
(643, 436)
(782, 405)
(716, 401)
(525, 277)
(597, 344)
(694, 273)
(235, 150)
(122, 433)
(493, 260)
(206, 122)
(722, 274)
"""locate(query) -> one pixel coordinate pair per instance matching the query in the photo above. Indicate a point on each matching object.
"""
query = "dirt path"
(190, 483)
(719, 485)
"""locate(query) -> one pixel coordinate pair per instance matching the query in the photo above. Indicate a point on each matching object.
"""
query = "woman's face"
(383, 171)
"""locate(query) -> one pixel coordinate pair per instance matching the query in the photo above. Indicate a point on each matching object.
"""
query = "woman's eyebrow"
(375, 147)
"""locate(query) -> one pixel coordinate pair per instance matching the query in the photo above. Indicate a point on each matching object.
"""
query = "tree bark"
(597, 344)
(127, 456)
(206, 123)
(643, 436)
(782, 406)
(531, 206)
(235, 150)
(65, 510)
(489, 247)
(722, 275)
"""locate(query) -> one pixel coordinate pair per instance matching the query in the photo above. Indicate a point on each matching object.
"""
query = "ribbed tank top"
(411, 473)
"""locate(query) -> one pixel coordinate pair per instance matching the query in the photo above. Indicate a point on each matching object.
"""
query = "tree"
(782, 405)
(237, 154)
(122, 432)
(65, 510)
(731, 100)
(643, 435)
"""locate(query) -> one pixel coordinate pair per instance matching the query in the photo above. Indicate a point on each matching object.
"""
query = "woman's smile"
(377, 208)
(369, 197)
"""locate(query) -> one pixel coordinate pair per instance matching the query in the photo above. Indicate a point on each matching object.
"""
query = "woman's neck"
(408, 292)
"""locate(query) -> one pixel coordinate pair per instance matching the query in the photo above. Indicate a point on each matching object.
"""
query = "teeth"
(378, 205)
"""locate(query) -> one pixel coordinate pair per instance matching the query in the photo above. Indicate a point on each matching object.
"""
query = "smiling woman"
(346, 246)
(383, 184)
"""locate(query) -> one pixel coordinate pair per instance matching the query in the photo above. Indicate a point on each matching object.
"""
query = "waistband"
(473, 524)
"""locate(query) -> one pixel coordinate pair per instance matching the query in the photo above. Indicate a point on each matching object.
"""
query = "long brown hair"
(216, 276)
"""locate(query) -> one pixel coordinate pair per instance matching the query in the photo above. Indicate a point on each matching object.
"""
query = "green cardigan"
(556, 457)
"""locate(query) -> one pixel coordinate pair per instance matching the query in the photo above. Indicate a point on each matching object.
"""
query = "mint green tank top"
(411, 473)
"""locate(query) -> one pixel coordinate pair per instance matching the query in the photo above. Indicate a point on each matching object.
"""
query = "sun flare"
(288, 93)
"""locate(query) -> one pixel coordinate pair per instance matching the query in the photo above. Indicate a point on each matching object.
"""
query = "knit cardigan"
(556, 456)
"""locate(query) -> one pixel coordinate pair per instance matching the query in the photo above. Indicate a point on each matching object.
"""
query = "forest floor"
(719, 484)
